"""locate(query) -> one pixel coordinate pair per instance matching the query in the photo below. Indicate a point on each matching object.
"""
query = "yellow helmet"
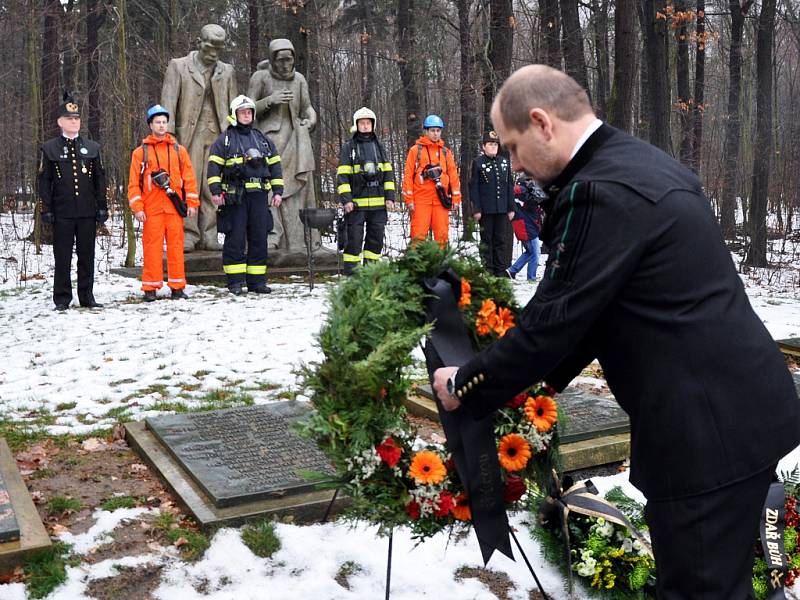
(364, 113)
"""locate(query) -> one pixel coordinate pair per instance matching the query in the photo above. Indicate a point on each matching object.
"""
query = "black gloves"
(48, 217)
(101, 216)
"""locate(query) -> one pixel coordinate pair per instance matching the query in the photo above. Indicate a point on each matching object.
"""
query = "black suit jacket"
(638, 276)
(72, 180)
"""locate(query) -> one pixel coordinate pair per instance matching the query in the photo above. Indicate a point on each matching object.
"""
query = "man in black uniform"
(638, 277)
(243, 167)
(491, 191)
(365, 183)
(72, 186)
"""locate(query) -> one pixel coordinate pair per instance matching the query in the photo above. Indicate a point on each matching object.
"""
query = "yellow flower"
(427, 468)
(514, 452)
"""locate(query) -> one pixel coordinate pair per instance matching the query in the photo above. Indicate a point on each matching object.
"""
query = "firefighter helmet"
(241, 102)
(364, 113)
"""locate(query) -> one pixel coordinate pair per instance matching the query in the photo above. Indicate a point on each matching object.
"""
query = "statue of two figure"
(198, 89)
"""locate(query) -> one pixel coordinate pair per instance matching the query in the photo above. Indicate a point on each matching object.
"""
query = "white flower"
(627, 545)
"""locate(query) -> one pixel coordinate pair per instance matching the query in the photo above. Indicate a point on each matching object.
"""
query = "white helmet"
(241, 102)
(364, 113)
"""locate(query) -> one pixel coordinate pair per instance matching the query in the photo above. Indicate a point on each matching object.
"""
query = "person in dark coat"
(527, 224)
(72, 186)
(491, 191)
(639, 278)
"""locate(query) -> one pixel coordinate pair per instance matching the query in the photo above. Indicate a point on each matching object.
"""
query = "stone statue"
(198, 89)
(284, 113)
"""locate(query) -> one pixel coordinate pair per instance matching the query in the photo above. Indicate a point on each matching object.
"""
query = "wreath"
(392, 477)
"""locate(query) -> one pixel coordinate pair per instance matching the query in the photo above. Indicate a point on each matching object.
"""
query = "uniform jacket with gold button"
(491, 185)
(72, 181)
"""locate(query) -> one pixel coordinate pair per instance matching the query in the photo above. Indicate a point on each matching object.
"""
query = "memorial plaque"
(588, 416)
(790, 346)
(9, 528)
(240, 455)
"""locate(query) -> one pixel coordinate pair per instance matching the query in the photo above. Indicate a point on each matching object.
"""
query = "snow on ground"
(85, 369)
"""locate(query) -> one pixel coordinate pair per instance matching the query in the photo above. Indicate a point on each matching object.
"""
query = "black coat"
(491, 185)
(72, 181)
(638, 276)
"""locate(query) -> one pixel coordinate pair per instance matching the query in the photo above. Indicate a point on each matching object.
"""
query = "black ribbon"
(771, 527)
(471, 442)
(581, 498)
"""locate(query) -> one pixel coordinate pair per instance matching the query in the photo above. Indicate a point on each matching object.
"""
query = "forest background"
(713, 83)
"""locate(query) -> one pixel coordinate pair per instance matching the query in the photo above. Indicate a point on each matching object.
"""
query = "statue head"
(210, 43)
(281, 56)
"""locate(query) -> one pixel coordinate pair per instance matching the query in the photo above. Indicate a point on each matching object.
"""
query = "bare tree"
(550, 30)
(572, 43)
(621, 103)
(406, 22)
(656, 70)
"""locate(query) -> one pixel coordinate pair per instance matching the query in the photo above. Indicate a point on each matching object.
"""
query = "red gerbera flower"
(412, 508)
(514, 489)
(446, 504)
(389, 451)
(517, 400)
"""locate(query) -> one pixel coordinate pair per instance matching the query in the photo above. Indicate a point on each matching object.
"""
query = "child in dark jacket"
(527, 223)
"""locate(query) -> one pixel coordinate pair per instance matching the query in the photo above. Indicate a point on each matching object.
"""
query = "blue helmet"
(155, 110)
(433, 121)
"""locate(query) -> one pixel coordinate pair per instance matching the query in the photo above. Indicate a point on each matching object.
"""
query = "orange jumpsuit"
(428, 210)
(163, 220)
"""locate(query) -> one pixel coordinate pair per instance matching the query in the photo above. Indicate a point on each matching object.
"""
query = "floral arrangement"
(391, 477)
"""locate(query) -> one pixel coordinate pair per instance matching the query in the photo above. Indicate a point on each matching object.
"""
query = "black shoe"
(179, 295)
(510, 275)
(90, 302)
(236, 290)
(262, 289)
(150, 296)
(62, 307)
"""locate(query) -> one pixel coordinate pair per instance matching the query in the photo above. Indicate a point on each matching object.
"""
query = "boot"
(179, 295)
(150, 296)
(90, 302)
(261, 289)
(236, 289)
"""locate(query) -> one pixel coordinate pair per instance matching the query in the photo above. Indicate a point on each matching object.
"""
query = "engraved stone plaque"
(589, 416)
(790, 346)
(244, 454)
(9, 528)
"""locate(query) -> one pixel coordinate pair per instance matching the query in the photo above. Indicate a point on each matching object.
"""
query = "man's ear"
(540, 120)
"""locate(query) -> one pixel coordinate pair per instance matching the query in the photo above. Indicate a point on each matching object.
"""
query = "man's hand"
(276, 200)
(349, 207)
(410, 207)
(48, 217)
(140, 216)
(389, 205)
(476, 216)
(511, 215)
(191, 211)
(218, 199)
(101, 216)
(440, 377)
(281, 97)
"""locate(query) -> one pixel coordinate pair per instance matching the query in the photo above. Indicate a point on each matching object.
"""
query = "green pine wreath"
(375, 320)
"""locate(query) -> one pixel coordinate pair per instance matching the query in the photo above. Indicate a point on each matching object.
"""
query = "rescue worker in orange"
(431, 187)
(162, 191)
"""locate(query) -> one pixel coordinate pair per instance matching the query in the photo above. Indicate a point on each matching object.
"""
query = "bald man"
(639, 278)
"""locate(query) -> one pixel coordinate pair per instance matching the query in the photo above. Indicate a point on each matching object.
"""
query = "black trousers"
(375, 222)
(495, 242)
(704, 545)
(244, 253)
(81, 232)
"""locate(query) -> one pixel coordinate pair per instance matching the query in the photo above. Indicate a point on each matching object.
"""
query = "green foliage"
(627, 506)
(45, 570)
(261, 538)
(115, 502)
(196, 543)
(164, 521)
(61, 504)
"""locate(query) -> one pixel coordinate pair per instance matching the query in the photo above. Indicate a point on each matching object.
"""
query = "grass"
(164, 521)
(200, 374)
(61, 504)
(225, 398)
(121, 381)
(45, 570)
(115, 502)
(20, 435)
(196, 543)
(261, 538)
(119, 414)
(66, 406)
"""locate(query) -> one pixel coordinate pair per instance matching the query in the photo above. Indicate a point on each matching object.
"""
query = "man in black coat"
(638, 277)
(491, 191)
(72, 186)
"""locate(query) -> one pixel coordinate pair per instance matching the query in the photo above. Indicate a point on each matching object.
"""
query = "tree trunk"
(600, 28)
(572, 43)
(621, 104)
(367, 53)
(406, 64)
(684, 101)
(699, 88)
(254, 34)
(468, 105)
(126, 135)
(550, 32)
(658, 92)
(95, 17)
(757, 248)
(51, 86)
(498, 57)
(34, 77)
(729, 184)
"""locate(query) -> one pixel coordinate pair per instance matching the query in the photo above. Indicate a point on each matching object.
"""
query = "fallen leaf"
(59, 529)
(155, 546)
(93, 445)
(37, 497)
(181, 541)
(137, 468)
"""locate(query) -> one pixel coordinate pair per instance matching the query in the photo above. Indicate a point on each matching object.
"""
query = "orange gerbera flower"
(466, 291)
(461, 510)
(427, 468)
(542, 412)
(487, 309)
(487, 318)
(505, 321)
(514, 452)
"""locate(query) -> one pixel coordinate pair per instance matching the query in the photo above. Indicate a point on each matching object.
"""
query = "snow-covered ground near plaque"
(83, 370)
